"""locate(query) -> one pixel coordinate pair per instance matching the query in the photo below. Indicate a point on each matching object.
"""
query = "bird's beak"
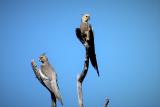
(41, 60)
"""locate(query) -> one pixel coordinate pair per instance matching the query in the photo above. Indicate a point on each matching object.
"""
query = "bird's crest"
(43, 58)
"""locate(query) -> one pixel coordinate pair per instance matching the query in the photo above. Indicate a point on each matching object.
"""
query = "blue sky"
(127, 42)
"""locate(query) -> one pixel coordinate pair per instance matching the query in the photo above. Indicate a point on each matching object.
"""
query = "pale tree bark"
(80, 78)
(106, 102)
(36, 70)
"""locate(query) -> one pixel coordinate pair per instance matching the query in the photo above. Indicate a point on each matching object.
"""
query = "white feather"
(42, 75)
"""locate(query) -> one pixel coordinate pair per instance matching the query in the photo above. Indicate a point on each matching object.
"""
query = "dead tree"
(80, 78)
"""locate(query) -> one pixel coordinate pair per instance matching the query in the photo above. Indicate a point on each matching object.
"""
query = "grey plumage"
(86, 36)
(84, 27)
(50, 79)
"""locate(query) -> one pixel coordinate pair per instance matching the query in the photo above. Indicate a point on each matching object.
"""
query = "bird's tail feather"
(94, 60)
(53, 98)
(60, 99)
(96, 67)
(58, 95)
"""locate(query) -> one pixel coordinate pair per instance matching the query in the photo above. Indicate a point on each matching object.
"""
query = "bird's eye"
(86, 16)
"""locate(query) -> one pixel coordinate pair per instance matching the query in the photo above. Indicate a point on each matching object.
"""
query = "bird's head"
(43, 58)
(85, 18)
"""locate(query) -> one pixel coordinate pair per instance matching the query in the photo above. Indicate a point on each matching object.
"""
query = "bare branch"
(80, 78)
(36, 70)
(37, 73)
(106, 102)
(79, 90)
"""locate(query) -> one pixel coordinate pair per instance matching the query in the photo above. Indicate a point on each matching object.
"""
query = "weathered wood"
(80, 78)
(36, 70)
(79, 90)
(106, 102)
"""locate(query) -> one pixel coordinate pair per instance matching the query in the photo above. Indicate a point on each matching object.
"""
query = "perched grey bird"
(49, 79)
(86, 37)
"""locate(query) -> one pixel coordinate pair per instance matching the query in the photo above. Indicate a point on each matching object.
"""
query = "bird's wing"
(79, 35)
(50, 80)
(47, 84)
(53, 88)
(54, 84)
(92, 54)
(56, 91)
(42, 75)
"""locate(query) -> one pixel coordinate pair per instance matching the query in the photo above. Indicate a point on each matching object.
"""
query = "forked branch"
(80, 78)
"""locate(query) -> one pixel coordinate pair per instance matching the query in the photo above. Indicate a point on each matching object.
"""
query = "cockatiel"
(86, 37)
(49, 78)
